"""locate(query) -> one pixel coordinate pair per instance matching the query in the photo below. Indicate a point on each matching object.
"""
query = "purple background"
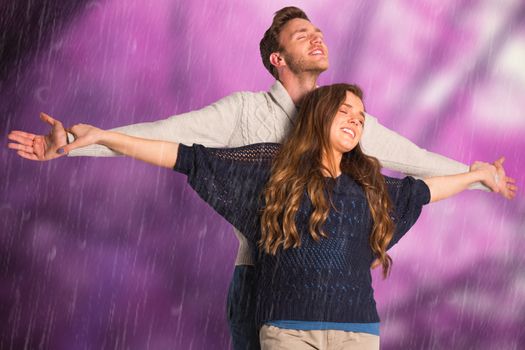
(115, 254)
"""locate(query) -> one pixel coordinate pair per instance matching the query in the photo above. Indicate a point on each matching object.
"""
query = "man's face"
(347, 125)
(303, 47)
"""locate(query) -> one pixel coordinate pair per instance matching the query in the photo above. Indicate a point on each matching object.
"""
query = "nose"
(354, 121)
(316, 38)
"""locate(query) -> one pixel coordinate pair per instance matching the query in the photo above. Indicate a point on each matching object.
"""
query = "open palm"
(39, 147)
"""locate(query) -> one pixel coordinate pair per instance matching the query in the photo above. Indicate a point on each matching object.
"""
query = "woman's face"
(347, 126)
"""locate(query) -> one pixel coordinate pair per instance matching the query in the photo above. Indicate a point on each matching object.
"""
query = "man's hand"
(499, 182)
(506, 185)
(39, 147)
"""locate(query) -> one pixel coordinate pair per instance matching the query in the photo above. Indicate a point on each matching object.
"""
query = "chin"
(322, 67)
(319, 68)
(324, 63)
(350, 148)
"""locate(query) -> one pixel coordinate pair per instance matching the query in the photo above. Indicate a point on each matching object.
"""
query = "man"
(294, 52)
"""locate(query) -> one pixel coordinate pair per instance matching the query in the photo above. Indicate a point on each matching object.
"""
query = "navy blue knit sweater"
(326, 281)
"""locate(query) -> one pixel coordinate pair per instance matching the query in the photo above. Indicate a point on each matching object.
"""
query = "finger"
(18, 133)
(510, 195)
(21, 139)
(19, 147)
(23, 133)
(510, 179)
(73, 145)
(48, 119)
(26, 155)
(499, 161)
(78, 131)
(71, 130)
(510, 191)
(77, 128)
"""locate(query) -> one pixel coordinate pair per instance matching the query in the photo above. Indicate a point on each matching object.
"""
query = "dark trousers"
(241, 309)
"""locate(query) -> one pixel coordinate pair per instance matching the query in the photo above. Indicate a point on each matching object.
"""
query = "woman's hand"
(85, 135)
(491, 175)
(495, 178)
(488, 173)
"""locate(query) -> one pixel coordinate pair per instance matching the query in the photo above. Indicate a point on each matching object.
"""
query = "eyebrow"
(350, 106)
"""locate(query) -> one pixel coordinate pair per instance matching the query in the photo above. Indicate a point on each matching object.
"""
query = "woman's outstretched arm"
(492, 176)
(161, 153)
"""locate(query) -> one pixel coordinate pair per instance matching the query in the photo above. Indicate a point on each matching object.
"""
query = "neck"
(333, 164)
(298, 85)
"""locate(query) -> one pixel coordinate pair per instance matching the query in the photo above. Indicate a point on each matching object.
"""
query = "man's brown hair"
(270, 41)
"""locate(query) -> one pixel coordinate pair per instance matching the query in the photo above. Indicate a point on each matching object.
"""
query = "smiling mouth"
(349, 132)
(317, 52)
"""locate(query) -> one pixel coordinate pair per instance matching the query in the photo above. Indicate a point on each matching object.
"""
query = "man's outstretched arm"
(211, 126)
(397, 153)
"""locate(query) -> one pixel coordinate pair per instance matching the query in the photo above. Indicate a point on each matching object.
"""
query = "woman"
(319, 210)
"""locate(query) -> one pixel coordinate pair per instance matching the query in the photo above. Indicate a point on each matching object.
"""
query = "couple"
(294, 52)
(316, 211)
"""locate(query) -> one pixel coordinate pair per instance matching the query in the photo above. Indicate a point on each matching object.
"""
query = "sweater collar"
(281, 97)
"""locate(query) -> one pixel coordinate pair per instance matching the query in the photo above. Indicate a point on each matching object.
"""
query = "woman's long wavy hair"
(298, 168)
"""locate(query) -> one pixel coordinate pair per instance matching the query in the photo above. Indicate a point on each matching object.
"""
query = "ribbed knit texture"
(328, 280)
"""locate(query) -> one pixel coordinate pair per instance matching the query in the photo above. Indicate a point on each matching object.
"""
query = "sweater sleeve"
(408, 196)
(212, 126)
(231, 180)
(397, 153)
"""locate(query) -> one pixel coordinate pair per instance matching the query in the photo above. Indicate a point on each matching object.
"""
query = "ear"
(277, 60)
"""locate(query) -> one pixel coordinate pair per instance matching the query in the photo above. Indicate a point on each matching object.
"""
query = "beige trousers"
(273, 338)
